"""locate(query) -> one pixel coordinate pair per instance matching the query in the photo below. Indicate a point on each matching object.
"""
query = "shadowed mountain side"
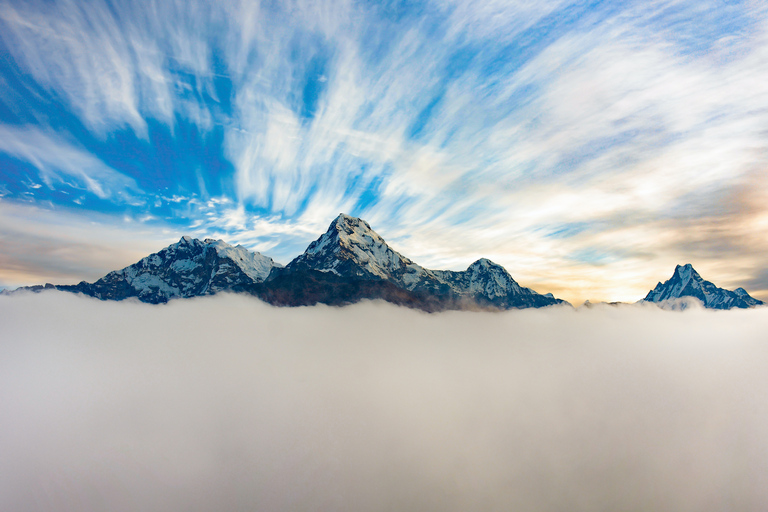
(310, 287)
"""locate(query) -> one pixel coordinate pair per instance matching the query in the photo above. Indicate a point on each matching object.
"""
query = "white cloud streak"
(224, 402)
(56, 159)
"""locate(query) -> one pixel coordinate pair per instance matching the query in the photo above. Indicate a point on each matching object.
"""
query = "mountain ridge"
(348, 263)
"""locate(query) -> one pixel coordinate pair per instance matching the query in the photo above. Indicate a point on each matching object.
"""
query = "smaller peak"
(740, 291)
(186, 239)
(211, 240)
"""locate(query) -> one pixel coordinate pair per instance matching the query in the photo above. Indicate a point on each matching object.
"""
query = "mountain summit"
(350, 248)
(686, 282)
(188, 268)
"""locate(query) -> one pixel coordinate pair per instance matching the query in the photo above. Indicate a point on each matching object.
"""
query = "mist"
(225, 403)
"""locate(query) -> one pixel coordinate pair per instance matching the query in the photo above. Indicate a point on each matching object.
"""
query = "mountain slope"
(188, 268)
(686, 282)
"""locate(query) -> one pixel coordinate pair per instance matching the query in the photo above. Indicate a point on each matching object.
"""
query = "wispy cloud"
(458, 130)
(56, 158)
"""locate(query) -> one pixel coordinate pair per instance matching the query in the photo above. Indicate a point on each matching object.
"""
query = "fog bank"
(225, 403)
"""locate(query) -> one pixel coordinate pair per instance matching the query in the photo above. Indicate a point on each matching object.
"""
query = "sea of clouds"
(225, 403)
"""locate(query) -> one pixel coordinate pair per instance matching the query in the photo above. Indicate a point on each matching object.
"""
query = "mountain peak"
(686, 282)
(346, 225)
(483, 263)
(351, 247)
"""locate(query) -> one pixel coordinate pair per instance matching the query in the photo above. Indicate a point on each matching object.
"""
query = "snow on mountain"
(348, 263)
(185, 269)
(351, 249)
(686, 282)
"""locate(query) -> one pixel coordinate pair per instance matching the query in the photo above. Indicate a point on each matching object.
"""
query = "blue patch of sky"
(696, 27)
(17, 176)
(371, 193)
(503, 60)
(417, 128)
(310, 58)
(314, 84)
(458, 63)
(22, 181)
(169, 160)
(222, 84)
(25, 102)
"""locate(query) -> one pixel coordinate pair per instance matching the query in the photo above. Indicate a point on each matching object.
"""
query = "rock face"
(686, 282)
(188, 268)
(350, 257)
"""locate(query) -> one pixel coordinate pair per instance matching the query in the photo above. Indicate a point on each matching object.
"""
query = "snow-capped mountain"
(351, 250)
(348, 263)
(686, 282)
(188, 268)
(489, 283)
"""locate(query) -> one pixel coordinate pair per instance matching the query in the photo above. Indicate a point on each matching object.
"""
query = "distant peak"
(186, 239)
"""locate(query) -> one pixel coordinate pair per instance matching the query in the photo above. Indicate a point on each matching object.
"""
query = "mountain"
(350, 261)
(686, 282)
(188, 268)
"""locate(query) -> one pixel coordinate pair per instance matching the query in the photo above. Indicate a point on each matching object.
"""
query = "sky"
(226, 403)
(588, 146)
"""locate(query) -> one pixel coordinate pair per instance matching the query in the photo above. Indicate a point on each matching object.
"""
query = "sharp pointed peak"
(686, 271)
(349, 222)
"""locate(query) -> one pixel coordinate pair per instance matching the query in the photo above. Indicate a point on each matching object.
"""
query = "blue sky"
(588, 147)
